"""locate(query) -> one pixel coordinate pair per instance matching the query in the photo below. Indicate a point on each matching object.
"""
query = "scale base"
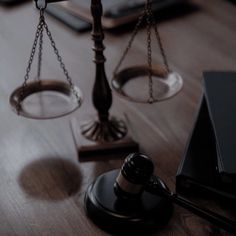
(89, 150)
(146, 214)
(109, 130)
(92, 150)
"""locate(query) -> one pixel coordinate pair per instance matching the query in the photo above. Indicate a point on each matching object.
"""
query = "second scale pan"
(133, 84)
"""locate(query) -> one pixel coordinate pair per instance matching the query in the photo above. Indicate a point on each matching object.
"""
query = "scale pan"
(133, 84)
(45, 99)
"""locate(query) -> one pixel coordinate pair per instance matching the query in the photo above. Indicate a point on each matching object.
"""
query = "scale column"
(102, 97)
(106, 128)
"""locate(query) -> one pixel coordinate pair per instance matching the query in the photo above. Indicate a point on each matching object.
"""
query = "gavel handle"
(158, 187)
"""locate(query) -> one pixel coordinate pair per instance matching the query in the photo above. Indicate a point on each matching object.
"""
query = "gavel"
(132, 199)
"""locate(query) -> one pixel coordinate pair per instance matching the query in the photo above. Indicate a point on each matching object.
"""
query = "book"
(198, 171)
(220, 98)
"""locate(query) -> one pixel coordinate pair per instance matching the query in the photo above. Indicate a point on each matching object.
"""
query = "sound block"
(114, 215)
(89, 150)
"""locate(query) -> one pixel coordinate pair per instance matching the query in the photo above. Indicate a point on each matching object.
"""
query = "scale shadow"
(50, 178)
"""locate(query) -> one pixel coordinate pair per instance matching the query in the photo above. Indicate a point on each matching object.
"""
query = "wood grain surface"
(42, 183)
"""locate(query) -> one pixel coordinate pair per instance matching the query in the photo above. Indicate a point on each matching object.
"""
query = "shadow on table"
(50, 179)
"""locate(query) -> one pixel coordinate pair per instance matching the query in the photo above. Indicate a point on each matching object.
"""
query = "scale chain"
(160, 82)
(150, 23)
(135, 31)
(149, 50)
(40, 54)
(39, 37)
(27, 89)
(158, 37)
(28, 69)
(59, 58)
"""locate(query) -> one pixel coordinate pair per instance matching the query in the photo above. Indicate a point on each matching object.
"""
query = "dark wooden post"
(105, 128)
(102, 98)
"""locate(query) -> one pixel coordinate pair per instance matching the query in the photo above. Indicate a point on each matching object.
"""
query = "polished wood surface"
(42, 183)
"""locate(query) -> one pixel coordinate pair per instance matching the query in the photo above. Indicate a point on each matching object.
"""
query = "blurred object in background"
(11, 2)
(233, 1)
(68, 18)
(115, 12)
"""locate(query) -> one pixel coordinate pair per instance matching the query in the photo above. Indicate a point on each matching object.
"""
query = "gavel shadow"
(50, 178)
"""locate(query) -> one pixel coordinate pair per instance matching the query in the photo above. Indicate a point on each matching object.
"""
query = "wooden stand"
(88, 150)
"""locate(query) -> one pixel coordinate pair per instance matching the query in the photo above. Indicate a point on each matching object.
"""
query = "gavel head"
(133, 176)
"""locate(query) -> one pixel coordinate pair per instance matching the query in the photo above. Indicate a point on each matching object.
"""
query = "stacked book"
(209, 163)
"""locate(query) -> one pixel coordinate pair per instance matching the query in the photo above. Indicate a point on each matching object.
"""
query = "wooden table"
(42, 183)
